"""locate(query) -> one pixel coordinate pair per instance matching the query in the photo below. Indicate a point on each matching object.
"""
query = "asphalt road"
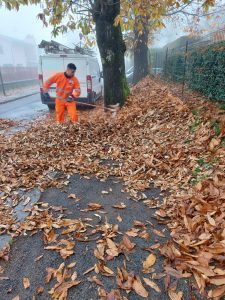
(26, 249)
(27, 108)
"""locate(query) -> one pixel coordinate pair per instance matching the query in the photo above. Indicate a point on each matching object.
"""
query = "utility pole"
(2, 83)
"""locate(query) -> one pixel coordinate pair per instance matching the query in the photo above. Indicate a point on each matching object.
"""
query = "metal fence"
(198, 64)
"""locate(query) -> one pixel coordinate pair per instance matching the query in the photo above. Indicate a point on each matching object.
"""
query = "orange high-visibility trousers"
(60, 106)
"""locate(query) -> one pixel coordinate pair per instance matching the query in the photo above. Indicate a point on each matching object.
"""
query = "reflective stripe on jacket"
(64, 86)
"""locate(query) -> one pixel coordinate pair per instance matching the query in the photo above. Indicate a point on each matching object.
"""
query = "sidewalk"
(18, 93)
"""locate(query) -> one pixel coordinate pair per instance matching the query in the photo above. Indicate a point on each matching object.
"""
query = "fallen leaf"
(159, 233)
(39, 290)
(133, 232)
(113, 249)
(152, 284)
(26, 282)
(95, 206)
(74, 276)
(60, 290)
(173, 295)
(144, 235)
(211, 220)
(108, 270)
(66, 253)
(139, 224)
(39, 257)
(119, 206)
(89, 270)
(126, 243)
(71, 265)
(217, 293)
(213, 144)
(139, 288)
(220, 280)
(119, 219)
(150, 261)
(153, 247)
(73, 196)
(96, 280)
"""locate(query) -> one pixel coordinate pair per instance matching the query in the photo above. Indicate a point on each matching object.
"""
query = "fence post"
(2, 83)
(185, 66)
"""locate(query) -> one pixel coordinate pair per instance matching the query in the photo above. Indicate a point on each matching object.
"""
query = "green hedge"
(205, 70)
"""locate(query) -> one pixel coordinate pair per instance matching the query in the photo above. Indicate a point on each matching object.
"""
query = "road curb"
(19, 97)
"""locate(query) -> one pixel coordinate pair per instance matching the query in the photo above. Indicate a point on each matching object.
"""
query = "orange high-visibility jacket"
(64, 86)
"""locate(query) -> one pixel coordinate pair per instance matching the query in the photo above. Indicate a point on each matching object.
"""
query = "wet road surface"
(27, 108)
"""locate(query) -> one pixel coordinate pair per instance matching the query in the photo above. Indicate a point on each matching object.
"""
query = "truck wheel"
(51, 107)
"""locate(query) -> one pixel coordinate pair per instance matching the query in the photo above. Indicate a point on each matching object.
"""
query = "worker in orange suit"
(67, 89)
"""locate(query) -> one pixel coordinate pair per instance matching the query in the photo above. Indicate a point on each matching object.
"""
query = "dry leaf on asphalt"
(217, 293)
(73, 196)
(152, 284)
(96, 280)
(219, 280)
(26, 282)
(173, 295)
(126, 243)
(89, 270)
(119, 219)
(159, 233)
(71, 265)
(149, 262)
(39, 257)
(39, 290)
(60, 290)
(119, 206)
(139, 288)
(94, 206)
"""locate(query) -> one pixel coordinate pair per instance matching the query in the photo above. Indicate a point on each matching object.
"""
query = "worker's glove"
(69, 99)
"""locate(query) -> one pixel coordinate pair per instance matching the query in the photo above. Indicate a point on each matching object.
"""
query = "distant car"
(156, 71)
(88, 73)
(129, 75)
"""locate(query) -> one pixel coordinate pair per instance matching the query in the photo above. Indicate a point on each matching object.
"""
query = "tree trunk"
(141, 54)
(112, 49)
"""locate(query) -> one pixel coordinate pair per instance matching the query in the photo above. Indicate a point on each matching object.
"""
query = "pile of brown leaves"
(156, 138)
(5, 123)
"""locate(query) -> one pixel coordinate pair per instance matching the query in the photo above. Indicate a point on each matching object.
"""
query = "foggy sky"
(20, 24)
(24, 22)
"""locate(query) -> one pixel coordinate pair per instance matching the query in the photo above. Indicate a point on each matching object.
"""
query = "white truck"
(88, 74)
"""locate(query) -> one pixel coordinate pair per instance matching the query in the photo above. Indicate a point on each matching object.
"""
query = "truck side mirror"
(101, 74)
